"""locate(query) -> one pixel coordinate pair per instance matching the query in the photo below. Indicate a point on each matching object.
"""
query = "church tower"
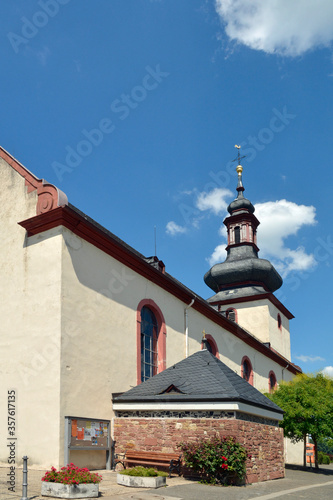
(244, 283)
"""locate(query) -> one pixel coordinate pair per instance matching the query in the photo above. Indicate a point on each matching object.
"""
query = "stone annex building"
(86, 321)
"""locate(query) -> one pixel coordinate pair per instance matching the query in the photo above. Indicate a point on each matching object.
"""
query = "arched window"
(279, 321)
(151, 340)
(237, 234)
(211, 345)
(272, 383)
(149, 334)
(246, 370)
(231, 314)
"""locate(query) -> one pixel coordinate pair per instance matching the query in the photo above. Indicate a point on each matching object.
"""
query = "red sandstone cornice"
(49, 196)
(240, 217)
(67, 217)
(242, 244)
(260, 296)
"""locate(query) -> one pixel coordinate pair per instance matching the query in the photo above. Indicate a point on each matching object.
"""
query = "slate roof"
(199, 378)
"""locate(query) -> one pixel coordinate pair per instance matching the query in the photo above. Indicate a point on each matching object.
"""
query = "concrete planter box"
(60, 490)
(141, 482)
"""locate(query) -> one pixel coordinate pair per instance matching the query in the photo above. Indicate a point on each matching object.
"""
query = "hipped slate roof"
(199, 378)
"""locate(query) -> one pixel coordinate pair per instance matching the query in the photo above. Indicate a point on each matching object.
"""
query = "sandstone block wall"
(263, 442)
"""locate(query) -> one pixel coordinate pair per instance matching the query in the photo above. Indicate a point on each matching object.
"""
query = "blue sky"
(133, 108)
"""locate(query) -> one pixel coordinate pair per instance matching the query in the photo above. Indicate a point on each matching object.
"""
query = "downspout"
(186, 325)
(284, 369)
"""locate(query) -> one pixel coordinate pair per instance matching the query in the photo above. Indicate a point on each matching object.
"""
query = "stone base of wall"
(264, 443)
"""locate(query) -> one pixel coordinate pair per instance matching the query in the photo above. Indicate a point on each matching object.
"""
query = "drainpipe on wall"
(284, 369)
(186, 326)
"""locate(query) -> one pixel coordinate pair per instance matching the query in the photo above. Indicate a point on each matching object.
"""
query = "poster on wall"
(88, 433)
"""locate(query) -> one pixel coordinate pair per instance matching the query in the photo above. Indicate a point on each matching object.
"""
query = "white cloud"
(278, 220)
(218, 255)
(172, 228)
(309, 359)
(328, 370)
(278, 26)
(214, 200)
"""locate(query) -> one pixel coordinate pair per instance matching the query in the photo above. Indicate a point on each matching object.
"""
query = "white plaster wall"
(293, 452)
(260, 319)
(253, 316)
(280, 339)
(30, 325)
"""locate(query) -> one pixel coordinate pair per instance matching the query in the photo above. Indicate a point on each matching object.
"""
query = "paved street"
(298, 484)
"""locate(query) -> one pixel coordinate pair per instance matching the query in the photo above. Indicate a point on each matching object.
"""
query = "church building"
(86, 317)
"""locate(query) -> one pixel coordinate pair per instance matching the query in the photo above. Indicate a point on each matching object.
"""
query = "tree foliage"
(325, 445)
(308, 404)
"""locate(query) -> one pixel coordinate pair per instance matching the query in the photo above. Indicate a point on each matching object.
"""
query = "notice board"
(84, 434)
(89, 433)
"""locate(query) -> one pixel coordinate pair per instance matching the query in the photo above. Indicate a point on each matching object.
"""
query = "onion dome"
(243, 273)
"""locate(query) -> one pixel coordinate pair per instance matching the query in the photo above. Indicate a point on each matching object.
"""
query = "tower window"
(237, 234)
(279, 322)
(231, 314)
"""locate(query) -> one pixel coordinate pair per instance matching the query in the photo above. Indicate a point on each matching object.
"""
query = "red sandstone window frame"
(271, 388)
(161, 337)
(211, 341)
(245, 359)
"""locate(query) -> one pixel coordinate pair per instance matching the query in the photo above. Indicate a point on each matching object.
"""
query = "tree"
(308, 404)
(325, 445)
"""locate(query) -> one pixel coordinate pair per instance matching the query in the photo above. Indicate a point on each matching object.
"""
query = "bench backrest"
(151, 455)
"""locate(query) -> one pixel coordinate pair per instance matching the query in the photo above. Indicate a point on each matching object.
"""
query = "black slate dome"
(240, 203)
(250, 270)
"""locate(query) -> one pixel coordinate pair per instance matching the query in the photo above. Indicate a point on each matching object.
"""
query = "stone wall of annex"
(264, 443)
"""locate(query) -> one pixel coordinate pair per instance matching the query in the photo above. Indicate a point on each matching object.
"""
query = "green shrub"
(143, 472)
(217, 460)
(323, 458)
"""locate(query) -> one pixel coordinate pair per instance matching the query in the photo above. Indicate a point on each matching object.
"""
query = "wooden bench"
(153, 459)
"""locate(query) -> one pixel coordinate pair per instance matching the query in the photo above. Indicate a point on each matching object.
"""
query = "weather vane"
(239, 157)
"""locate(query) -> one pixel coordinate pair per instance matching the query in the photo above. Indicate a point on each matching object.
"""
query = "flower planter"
(60, 490)
(140, 481)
